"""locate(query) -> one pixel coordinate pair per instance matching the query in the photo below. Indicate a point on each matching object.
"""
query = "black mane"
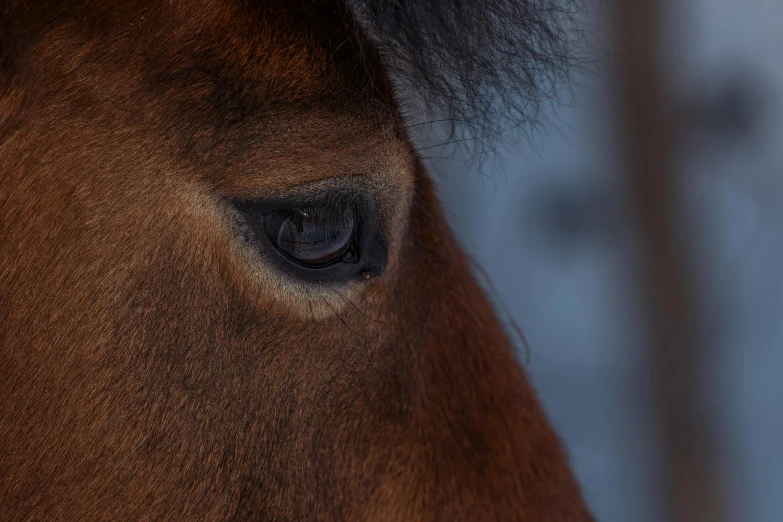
(483, 66)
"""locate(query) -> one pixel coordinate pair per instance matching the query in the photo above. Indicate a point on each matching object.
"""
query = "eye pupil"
(314, 237)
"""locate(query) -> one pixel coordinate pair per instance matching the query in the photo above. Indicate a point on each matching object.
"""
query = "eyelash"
(278, 230)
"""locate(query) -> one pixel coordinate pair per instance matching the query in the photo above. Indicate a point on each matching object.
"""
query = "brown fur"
(150, 368)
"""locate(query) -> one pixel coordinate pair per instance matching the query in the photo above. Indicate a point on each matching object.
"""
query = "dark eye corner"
(328, 238)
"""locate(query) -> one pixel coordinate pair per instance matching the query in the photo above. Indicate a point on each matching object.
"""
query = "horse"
(228, 289)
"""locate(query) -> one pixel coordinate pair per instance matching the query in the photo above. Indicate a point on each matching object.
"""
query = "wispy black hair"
(483, 65)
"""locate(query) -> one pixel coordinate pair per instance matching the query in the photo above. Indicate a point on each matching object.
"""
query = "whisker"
(129, 454)
(341, 296)
(509, 318)
(342, 320)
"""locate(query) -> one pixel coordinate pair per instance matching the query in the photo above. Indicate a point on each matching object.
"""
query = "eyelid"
(370, 243)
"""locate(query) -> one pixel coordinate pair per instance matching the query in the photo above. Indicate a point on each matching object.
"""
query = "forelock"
(482, 66)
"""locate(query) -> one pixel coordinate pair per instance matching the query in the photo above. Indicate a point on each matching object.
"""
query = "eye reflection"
(314, 236)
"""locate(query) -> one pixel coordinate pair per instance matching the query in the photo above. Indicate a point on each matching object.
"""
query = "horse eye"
(314, 237)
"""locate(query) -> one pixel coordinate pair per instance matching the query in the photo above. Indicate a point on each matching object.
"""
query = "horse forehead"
(285, 51)
(300, 64)
(288, 84)
(285, 86)
(289, 50)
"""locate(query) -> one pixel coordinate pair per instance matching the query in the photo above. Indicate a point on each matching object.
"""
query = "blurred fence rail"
(676, 353)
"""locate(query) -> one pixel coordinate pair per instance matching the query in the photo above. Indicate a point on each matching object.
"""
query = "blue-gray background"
(549, 222)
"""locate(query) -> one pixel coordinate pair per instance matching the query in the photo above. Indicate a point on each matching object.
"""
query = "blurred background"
(566, 226)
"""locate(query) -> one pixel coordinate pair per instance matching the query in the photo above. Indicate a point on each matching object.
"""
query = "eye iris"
(312, 236)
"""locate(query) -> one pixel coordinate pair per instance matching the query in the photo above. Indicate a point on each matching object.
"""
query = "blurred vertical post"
(648, 130)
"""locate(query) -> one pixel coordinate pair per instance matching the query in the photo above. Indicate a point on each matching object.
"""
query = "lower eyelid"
(361, 256)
